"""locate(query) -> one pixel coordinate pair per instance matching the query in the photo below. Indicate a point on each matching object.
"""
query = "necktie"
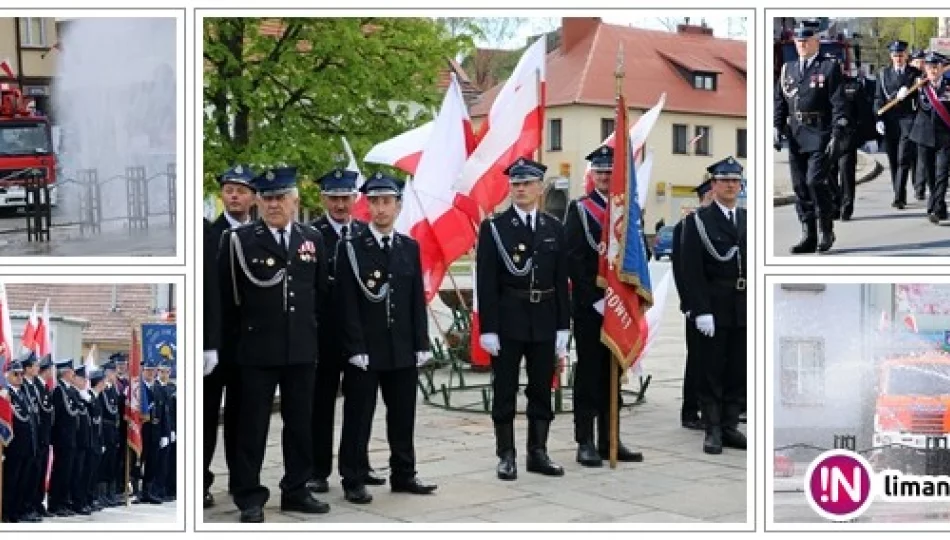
(343, 232)
(283, 240)
(527, 220)
(386, 245)
(732, 218)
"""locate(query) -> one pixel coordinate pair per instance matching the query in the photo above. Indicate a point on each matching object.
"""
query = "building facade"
(29, 45)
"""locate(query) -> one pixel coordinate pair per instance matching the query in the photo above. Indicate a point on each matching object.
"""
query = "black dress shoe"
(624, 454)
(733, 438)
(507, 468)
(357, 495)
(713, 442)
(694, 423)
(539, 462)
(208, 500)
(933, 218)
(318, 485)
(373, 479)
(254, 514)
(413, 485)
(587, 455)
(305, 504)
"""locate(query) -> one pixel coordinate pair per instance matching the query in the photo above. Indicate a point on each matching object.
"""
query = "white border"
(183, 189)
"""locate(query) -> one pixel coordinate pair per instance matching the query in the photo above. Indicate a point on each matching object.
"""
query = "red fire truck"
(832, 43)
(26, 147)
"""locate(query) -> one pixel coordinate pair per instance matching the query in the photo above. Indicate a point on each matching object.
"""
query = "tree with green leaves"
(285, 91)
(877, 33)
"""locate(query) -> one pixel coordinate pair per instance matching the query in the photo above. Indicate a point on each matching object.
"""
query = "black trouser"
(216, 384)
(171, 470)
(14, 486)
(77, 485)
(398, 388)
(326, 388)
(901, 157)
(722, 384)
(813, 193)
(842, 177)
(122, 451)
(506, 367)
(258, 385)
(690, 374)
(934, 168)
(91, 474)
(63, 461)
(592, 373)
(37, 486)
(159, 477)
(359, 407)
(107, 464)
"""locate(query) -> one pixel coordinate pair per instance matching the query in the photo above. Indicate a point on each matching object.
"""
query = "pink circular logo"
(839, 485)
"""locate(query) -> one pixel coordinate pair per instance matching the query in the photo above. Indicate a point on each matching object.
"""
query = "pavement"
(166, 513)
(66, 240)
(676, 483)
(875, 229)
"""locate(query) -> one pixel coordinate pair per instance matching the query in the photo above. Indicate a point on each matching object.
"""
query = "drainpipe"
(19, 52)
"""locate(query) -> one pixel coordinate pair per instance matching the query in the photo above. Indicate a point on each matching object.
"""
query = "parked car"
(663, 243)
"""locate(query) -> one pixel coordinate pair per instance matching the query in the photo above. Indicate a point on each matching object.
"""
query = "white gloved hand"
(103, 449)
(422, 357)
(490, 344)
(163, 442)
(360, 360)
(173, 436)
(880, 127)
(560, 343)
(211, 360)
(706, 325)
(599, 306)
(902, 93)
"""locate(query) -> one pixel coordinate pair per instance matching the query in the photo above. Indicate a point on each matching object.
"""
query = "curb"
(786, 199)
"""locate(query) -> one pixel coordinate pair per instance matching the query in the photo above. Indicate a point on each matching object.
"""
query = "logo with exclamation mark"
(838, 485)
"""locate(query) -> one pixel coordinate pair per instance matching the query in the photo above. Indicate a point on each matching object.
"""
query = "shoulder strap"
(503, 255)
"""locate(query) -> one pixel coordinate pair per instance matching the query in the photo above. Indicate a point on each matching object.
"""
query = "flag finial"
(619, 73)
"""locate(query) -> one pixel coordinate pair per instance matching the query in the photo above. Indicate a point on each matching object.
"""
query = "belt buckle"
(798, 116)
(534, 297)
(740, 284)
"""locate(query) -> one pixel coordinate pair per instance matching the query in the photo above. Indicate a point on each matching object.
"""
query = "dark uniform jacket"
(170, 392)
(24, 443)
(392, 330)
(96, 440)
(277, 324)
(84, 431)
(109, 403)
(504, 305)
(583, 239)
(929, 129)
(42, 409)
(711, 286)
(331, 328)
(67, 413)
(212, 291)
(858, 108)
(888, 84)
(676, 263)
(810, 104)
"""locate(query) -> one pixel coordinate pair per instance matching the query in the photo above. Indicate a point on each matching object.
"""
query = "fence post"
(172, 175)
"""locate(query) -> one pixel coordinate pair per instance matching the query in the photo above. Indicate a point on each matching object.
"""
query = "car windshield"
(23, 138)
(919, 379)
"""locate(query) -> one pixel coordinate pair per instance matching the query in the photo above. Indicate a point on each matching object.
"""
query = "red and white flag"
(638, 137)
(361, 206)
(478, 355)
(402, 151)
(28, 337)
(654, 318)
(6, 328)
(6, 68)
(513, 130)
(90, 364)
(44, 341)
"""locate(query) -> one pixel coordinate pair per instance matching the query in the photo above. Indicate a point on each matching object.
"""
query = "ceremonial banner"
(134, 396)
(6, 420)
(160, 344)
(624, 269)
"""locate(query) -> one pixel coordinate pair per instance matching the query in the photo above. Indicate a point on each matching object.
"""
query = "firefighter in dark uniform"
(111, 413)
(276, 279)
(123, 452)
(524, 312)
(169, 461)
(97, 383)
(689, 412)
(714, 264)
(592, 385)
(66, 414)
(238, 196)
(894, 82)
(30, 369)
(810, 108)
(385, 339)
(338, 193)
(931, 133)
(151, 435)
(20, 452)
(77, 482)
(37, 374)
(860, 130)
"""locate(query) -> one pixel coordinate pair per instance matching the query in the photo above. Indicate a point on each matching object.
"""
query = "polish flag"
(361, 206)
(90, 364)
(6, 328)
(638, 137)
(654, 318)
(514, 130)
(44, 342)
(402, 151)
(28, 337)
(6, 68)
(910, 321)
(480, 358)
(444, 232)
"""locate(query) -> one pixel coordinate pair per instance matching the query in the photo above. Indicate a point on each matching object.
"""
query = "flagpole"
(1, 473)
(615, 361)
(537, 79)
(128, 459)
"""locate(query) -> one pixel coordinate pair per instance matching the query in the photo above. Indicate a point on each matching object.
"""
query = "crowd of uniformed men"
(76, 419)
(826, 112)
(338, 306)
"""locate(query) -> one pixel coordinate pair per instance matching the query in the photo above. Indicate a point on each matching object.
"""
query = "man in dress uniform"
(931, 134)
(170, 453)
(524, 311)
(37, 374)
(714, 265)
(123, 451)
(77, 484)
(238, 195)
(338, 192)
(860, 130)
(22, 449)
(810, 108)
(275, 277)
(689, 413)
(30, 368)
(151, 437)
(592, 385)
(212, 343)
(385, 339)
(66, 413)
(111, 413)
(894, 82)
(96, 448)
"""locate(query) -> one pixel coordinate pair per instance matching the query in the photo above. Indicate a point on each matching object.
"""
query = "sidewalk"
(676, 483)
(867, 169)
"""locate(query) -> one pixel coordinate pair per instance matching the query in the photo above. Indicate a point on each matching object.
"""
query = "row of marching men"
(68, 451)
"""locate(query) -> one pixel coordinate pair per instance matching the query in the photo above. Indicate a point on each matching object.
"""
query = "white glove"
(560, 343)
(360, 360)
(902, 93)
(103, 449)
(211, 360)
(880, 127)
(173, 436)
(422, 357)
(490, 344)
(163, 442)
(705, 324)
(599, 306)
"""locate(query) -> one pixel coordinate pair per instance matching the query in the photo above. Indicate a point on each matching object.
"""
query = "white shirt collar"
(379, 236)
(808, 61)
(16, 389)
(287, 228)
(337, 225)
(725, 210)
(533, 213)
(233, 222)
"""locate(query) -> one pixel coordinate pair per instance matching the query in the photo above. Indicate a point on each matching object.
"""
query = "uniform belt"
(738, 284)
(534, 296)
(808, 118)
